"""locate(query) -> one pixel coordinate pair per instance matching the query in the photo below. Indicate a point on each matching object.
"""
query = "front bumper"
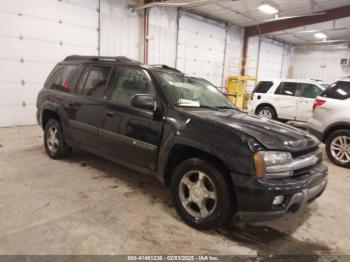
(255, 195)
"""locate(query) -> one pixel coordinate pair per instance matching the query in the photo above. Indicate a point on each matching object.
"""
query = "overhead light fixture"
(320, 35)
(268, 8)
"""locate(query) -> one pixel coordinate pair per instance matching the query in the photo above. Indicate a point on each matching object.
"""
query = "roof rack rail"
(167, 68)
(118, 59)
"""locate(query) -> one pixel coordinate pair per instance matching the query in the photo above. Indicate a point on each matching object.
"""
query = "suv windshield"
(188, 91)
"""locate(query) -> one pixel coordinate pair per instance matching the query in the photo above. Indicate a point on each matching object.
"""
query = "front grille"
(305, 170)
(302, 171)
(305, 152)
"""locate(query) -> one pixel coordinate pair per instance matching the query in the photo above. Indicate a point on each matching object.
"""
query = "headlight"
(269, 163)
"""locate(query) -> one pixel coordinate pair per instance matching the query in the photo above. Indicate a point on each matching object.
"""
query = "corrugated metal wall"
(34, 36)
(271, 58)
(234, 49)
(162, 36)
(121, 31)
(201, 47)
(196, 37)
(38, 38)
(267, 59)
(321, 63)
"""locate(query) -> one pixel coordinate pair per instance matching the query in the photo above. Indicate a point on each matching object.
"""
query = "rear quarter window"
(263, 87)
(62, 77)
(339, 90)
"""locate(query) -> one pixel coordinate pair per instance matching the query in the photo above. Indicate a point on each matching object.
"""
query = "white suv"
(285, 99)
(330, 122)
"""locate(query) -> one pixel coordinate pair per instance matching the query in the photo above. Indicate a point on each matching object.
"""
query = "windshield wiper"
(225, 107)
(209, 107)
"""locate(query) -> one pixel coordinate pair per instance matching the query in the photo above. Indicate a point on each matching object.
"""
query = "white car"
(330, 121)
(285, 99)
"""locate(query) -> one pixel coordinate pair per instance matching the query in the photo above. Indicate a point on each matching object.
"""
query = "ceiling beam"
(279, 25)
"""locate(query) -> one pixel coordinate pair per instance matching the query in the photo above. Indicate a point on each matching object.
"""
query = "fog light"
(278, 200)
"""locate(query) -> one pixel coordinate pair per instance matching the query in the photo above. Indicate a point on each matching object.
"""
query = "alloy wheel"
(52, 139)
(265, 113)
(340, 149)
(198, 194)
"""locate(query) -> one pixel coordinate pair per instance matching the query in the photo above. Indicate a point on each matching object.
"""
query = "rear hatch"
(335, 99)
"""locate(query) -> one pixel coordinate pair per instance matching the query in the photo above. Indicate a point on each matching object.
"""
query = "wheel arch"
(334, 127)
(181, 152)
(47, 115)
(265, 105)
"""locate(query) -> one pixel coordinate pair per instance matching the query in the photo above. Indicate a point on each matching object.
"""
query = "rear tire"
(267, 111)
(55, 145)
(338, 148)
(200, 194)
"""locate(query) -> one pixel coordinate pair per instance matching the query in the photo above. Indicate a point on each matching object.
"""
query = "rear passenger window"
(339, 90)
(287, 89)
(82, 80)
(63, 77)
(309, 90)
(96, 81)
(263, 87)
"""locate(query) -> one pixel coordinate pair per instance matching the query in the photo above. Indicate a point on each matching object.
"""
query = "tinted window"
(287, 88)
(263, 87)
(309, 90)
(338, 90)
(130, 82)
(97, 80)
(62, 77)
(82, 80)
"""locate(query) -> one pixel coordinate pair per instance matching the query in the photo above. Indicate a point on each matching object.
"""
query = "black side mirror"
(145, 102)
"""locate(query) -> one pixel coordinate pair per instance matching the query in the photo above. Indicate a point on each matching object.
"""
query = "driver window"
(130, 82)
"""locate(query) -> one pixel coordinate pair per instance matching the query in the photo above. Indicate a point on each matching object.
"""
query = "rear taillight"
(318, 102)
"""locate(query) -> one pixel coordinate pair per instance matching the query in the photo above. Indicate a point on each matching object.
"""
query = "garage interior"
(85, 205)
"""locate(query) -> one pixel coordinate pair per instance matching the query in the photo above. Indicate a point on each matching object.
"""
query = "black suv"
(219, 162)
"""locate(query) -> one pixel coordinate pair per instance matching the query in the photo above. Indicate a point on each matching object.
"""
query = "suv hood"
(271, 134)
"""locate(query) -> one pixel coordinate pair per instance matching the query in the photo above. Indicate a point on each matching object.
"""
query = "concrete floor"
(86, 205)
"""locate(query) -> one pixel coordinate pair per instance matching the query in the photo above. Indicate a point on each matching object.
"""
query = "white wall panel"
(271, 58)
(234, 49)
(162, 36)
(34, 36)
(321, 63)
(267, 58)
(252, 56)
(201, 47)
(252, 60)
(121, 32)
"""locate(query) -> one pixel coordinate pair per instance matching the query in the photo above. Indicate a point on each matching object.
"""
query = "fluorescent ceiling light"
(320, 35)
(268, 8)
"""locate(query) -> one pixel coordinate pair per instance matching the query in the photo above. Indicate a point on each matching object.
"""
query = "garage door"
(270, 59)
(201, 47)
(34, 36)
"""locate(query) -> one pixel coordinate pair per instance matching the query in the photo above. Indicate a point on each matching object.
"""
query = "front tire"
(338, 148)
(200, 194)
(55, 145)
(267, 111)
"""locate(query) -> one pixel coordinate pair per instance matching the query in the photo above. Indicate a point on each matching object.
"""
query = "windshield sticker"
(186, 102)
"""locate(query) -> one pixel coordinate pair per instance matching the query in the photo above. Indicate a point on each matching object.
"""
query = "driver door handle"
(110, 114)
